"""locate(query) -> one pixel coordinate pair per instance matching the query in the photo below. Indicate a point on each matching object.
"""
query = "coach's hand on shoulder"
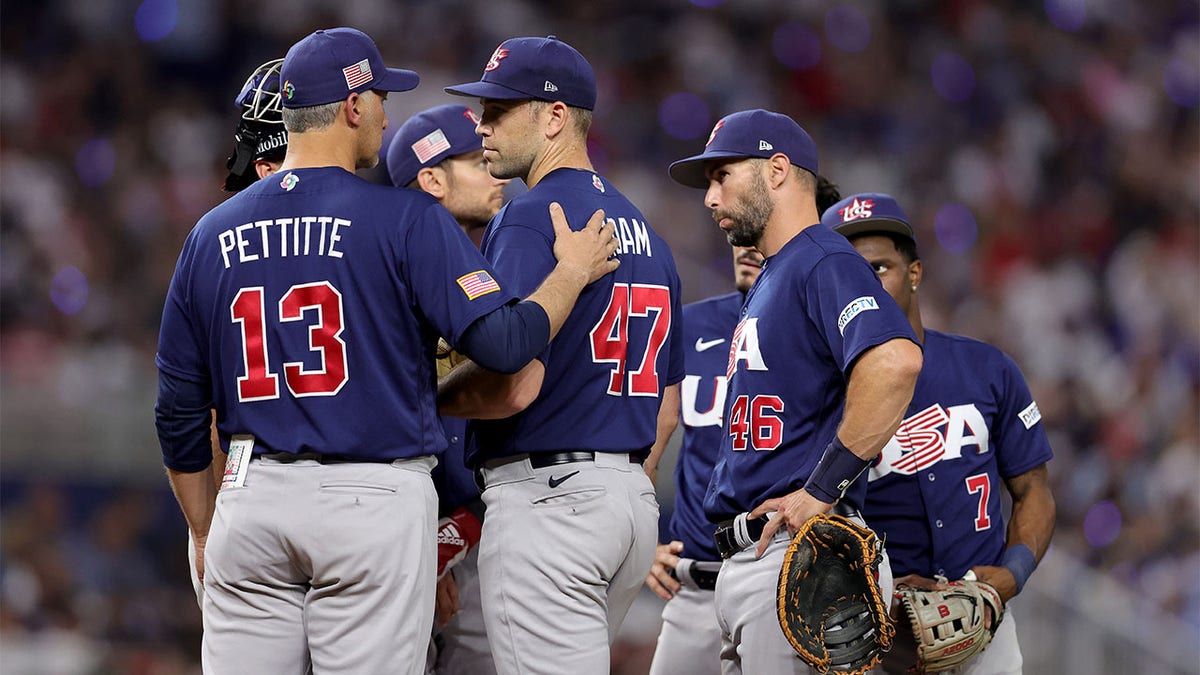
(666, 558)
(590, 250)
(791, 510)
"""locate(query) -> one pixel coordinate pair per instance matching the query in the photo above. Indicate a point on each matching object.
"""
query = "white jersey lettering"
(693, 417)
(745, 347)
(310, 235)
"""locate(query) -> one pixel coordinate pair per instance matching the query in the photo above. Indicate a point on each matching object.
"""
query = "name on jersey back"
(283, 238)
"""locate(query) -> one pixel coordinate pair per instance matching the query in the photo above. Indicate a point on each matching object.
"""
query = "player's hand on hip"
(666, 558)
(590, 250)
(446, 602)
(791, 510)
(999, 578)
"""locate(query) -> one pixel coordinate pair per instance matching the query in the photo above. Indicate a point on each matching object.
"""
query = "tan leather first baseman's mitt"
(951, 625)
(829, 604)
(447, 358)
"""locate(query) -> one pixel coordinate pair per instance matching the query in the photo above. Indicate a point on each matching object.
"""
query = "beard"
(749, 214)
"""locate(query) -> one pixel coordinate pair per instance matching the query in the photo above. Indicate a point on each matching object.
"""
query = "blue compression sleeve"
(508, 338)
(183, 420)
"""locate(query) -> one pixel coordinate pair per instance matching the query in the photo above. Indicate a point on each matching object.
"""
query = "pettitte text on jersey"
(283, 237)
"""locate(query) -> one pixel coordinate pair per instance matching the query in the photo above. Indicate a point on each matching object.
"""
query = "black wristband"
(837, 471)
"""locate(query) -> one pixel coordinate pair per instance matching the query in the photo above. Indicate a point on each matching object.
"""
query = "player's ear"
(352, 106)
(264, 168)
(558, 116)
(779, 169)
(915, 274)
(432, 180)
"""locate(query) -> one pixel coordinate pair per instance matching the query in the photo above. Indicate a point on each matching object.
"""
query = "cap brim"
(487, 90)
(397, 79)
(691, 171)
(875, 225)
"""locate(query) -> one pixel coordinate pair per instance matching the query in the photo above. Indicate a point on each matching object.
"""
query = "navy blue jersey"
(455, 482)
(707, 329)
(311, 303)
(619, 349)
(935, 488)
(816, 306)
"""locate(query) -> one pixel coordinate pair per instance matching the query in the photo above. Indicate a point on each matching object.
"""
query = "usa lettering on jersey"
(694, 417)
(745, 347)
(933, 435)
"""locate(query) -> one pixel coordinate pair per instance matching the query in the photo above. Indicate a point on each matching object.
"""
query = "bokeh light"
(155, 19)
(95, 162)
(1102, 524)
(796, 46)
(69, 290)
(848, 29)
(708, 3)
(955, 228)
(1066, 14)
(684, 115)
(1182, 82)
(953, 78)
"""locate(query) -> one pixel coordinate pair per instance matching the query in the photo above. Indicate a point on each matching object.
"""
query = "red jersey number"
(755, 423)
(610, 337)
(324, 303)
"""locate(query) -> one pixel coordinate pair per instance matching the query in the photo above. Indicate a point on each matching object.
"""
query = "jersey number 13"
(324, 336)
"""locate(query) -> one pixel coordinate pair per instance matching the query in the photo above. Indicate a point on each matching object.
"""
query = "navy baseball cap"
(867, 212)
(329, 65)
(749, 133)
(546, 69)
(429, 137)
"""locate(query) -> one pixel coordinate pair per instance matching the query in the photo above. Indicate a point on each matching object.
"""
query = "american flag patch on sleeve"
(478, 283)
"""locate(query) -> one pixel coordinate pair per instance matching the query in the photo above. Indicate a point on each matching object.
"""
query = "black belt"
(736, 535)
(541, 460)
(702, 573)
(290, 457)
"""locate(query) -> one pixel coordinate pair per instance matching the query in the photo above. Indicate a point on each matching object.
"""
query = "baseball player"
(571, 515)
(305, 309)
(437, 151)
(971, 427)
(260, 142)
(685, 569)
(821, 365)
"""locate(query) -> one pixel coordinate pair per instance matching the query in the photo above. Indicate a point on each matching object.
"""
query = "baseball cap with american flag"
(330, 64)
(429, 137)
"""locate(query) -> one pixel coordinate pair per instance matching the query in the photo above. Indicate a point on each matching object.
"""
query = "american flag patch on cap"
(433, 143)
(357, 74)
(478, 283)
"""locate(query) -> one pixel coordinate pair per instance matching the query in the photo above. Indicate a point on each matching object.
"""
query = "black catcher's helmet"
(260, 133)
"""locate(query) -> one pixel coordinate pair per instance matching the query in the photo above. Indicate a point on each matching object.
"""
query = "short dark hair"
(905, 246)
(827, 194)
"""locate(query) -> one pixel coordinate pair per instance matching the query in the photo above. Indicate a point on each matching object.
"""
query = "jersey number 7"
(259, 383)
(610, 336)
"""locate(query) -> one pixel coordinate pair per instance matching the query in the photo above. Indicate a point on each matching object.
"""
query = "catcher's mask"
(260, 133)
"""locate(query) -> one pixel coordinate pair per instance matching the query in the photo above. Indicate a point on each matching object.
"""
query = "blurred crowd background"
(1048, 154)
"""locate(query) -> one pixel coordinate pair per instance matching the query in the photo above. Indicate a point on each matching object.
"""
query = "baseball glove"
(951, 625)
(829, 603)
(447, 358)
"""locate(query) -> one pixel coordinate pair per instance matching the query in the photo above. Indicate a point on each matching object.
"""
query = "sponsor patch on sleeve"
(1030, 416)
(477, 283)
(857, 306)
